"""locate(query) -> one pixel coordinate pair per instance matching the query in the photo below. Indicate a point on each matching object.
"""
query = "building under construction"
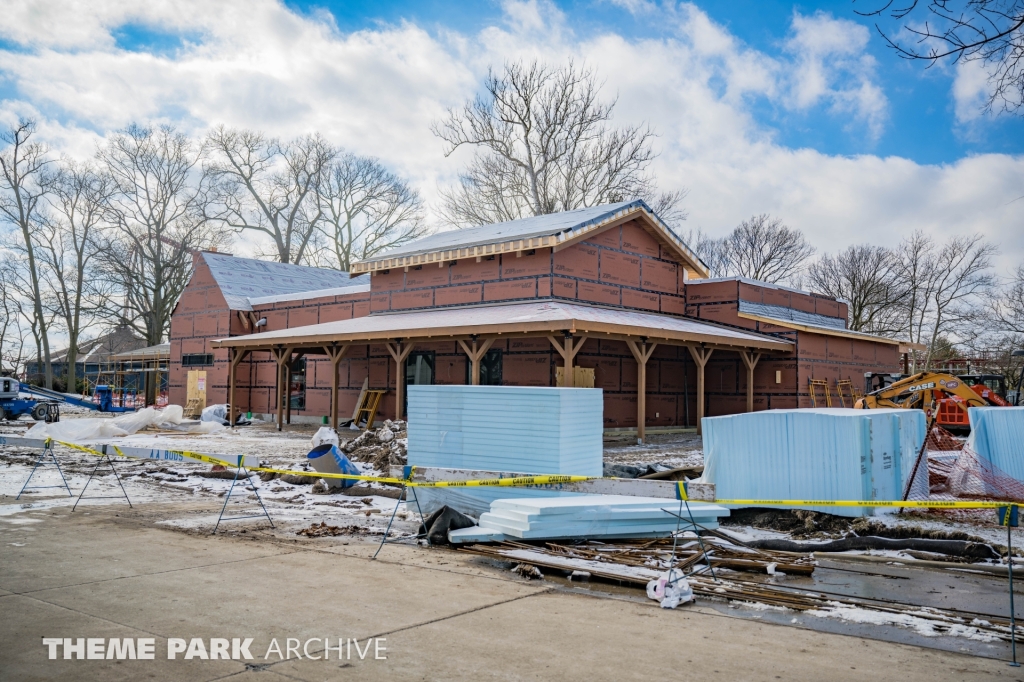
(606, 297)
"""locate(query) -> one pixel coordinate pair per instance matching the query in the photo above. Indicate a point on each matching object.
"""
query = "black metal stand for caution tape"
(684, 498)
(1009, 517)
(405, 495)
(248, 476)
(47, 448)
(106, 456)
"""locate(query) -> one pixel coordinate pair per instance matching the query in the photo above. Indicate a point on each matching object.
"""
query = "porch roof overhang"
(534, 318)
(820, 329)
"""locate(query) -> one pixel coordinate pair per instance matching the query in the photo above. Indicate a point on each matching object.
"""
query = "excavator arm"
(919, 391)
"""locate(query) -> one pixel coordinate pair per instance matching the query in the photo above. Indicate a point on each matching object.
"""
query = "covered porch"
(565, 326)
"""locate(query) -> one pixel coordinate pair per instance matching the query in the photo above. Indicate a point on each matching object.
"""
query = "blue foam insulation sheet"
(521, 429)
(816, 454)
(997, 436)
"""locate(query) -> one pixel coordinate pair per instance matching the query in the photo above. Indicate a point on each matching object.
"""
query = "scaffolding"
(137, 378)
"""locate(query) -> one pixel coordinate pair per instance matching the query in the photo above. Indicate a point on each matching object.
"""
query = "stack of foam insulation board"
(587, 516)
(816, 454)
(997, 437)
(522, 429)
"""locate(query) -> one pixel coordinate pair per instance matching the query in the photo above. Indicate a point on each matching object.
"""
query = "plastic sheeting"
(997, 436)
(507, 428)
(503, 428)
(816, 454)
(79, 430)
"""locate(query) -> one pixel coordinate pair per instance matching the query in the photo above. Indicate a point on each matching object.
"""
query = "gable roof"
(241, 279)
(553, 230)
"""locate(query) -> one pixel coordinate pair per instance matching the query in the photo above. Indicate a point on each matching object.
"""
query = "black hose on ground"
(961, 548)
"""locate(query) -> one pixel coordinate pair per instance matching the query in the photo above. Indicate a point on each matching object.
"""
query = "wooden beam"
(399, 353)
(609, 330)
(750, 359)
(642, 353)
(475, 354)
(236, 356)
(281, 356)
(335, 353)
(568, 352)
(700, 358)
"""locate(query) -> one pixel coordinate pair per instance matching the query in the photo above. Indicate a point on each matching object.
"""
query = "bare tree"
(1009, 305)
(866, 278)
(544, 145)
(987, 31)
(763, 248)
(157, 216)
(12, 314)
(68, 244)
(364, 209)
(711, 251)
(22, 186)
(946, 286)
(269, 187)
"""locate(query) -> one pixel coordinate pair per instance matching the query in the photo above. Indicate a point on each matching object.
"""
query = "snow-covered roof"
(526, 233)
(242, 279)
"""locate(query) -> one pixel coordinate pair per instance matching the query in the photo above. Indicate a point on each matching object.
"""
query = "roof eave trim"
(564, 237)
(844, 333)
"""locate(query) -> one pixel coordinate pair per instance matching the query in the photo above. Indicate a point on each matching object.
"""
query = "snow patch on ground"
(922, 626)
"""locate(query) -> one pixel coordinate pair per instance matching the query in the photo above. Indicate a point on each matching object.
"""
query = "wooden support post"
(642, 353)
(335, 353)
(701, 356)
(475, 354)
(281, 357)
(288, 392)
(568, 351)
(235, 356)
(750, 359)
(399, 353)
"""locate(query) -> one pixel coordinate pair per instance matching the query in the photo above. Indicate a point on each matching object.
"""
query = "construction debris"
(381, 448)
(641, 562)
(320, 530)
(528, 571)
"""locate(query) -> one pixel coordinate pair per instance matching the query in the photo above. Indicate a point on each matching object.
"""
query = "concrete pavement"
(110, 573)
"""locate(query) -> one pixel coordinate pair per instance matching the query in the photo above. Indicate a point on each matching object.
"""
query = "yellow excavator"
(944, 398)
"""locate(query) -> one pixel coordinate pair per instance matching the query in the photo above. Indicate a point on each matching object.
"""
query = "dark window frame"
(197, 360)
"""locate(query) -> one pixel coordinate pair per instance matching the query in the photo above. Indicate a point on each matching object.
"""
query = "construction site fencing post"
(240, 467)
(47, 448)
(106, 456)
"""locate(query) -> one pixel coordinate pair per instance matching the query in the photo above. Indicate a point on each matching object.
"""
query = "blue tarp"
(816, 454)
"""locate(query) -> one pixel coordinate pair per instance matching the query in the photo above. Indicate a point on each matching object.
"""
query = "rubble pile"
(381, 448)
(319, 530)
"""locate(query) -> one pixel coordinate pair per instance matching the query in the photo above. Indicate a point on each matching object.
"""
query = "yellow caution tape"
(556, 479)
(930, 504)
(506, 482)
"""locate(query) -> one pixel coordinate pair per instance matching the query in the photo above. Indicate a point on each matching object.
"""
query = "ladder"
(823, 384)
(845, 387)
(371, 401)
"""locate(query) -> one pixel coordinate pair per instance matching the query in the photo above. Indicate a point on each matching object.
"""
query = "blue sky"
(793, 109)
(922, 124)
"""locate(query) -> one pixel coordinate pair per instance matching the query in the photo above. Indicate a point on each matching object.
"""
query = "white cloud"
(971, 90)
(258, 64)
(832, 65)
